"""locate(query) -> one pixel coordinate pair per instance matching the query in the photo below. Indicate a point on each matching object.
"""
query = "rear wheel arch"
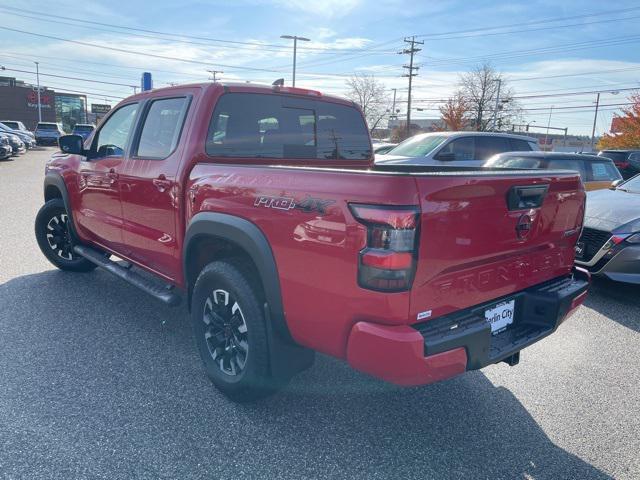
(214, 236)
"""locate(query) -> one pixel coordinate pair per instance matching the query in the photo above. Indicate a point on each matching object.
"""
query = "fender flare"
(250, 238)
(55, 179)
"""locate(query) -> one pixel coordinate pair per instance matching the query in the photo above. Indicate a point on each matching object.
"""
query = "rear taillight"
(388, 262)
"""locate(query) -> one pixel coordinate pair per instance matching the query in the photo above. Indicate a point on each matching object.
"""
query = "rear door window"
(601, 171)
(462, 149)
(278, 126)
(575, 165)
(518, 145)
(489, 146)
(162, 126)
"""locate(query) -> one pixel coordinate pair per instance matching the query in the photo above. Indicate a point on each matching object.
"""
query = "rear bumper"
(447, 346)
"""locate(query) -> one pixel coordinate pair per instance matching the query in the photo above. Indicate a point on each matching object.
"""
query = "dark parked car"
(627, 161)
(17, 145)
(596, 172)
(47, 133)
(610, 242)
(5, 147)
(26, 137)
(83, 129)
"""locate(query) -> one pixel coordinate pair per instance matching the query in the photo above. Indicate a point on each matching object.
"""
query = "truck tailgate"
(483, 237)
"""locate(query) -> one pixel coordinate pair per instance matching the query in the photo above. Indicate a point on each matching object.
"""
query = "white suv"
(466, 149)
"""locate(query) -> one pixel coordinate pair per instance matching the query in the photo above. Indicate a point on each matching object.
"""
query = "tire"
(55, 239)
(230, 334)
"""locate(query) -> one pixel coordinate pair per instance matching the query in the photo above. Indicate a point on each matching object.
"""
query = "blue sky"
(542, 48)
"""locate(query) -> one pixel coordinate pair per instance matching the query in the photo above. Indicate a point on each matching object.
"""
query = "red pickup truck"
(261, 207)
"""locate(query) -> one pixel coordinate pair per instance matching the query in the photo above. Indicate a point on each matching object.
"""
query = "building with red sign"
(19, 102)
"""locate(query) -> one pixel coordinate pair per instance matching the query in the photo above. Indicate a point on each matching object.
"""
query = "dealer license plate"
(500, 316)
(579, 249)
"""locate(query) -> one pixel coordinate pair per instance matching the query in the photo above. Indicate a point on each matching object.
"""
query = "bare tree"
(372, 97)
(479, 87)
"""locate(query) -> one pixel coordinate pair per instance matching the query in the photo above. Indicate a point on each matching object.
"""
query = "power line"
(169, 36)
(70, 78)
(521, 30)
(532, 22)
(134, 52)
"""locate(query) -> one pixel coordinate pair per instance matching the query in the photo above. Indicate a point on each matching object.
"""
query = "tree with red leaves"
(628, 128)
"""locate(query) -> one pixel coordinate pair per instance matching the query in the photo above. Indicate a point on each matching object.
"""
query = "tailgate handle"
(526, 197)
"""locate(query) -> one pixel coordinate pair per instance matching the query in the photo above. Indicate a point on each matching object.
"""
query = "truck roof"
(247, 88)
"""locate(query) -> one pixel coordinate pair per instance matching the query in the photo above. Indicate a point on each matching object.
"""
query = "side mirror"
(615, 184)
(446, 156)
(71, 144)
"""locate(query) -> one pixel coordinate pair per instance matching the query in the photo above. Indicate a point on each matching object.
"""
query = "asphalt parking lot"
(99, 381)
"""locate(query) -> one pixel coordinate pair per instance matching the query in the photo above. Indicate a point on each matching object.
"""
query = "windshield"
(632, 186)
(418, 146)
(13, 125)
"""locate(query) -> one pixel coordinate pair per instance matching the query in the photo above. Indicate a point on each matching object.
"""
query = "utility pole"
(495, 110)
(411, 52)
(38, 82)
(295, 39)
(213, 74)
(595, 119)
(393, 108)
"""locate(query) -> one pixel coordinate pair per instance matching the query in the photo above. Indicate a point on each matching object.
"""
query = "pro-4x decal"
(308, 205)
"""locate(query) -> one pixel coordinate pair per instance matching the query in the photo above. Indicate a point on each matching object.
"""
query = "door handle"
(112, 175)
(161, 182)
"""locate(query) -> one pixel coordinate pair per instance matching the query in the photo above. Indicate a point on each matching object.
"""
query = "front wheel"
(55, 240)
(229, 329)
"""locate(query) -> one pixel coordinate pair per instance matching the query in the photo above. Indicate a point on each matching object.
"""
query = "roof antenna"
(278, 83)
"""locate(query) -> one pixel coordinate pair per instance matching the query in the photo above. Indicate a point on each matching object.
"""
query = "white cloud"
(326, 8)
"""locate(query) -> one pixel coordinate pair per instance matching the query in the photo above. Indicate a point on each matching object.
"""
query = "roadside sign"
(100, 108)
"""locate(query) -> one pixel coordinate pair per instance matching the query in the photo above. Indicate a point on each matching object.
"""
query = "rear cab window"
(285, 127)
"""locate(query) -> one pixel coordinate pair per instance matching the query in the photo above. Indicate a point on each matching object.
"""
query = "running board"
(162, 292)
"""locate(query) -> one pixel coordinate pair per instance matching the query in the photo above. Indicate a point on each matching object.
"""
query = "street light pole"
(295, 39)
(546, 136)
(595, 119)
(38, 82)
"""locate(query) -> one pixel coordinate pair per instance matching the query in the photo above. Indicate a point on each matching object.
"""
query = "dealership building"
(19, 102)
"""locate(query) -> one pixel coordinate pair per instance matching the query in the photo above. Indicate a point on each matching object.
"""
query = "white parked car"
(456, 148)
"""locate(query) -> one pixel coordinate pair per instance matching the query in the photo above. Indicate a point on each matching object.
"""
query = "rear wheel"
(54, 238)
(230, 333)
